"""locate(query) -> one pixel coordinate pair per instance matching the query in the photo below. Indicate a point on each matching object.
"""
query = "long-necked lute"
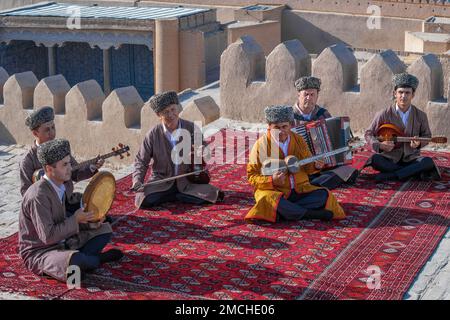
(292, 164)
(117, 151)
(390, 132)
(188, 174)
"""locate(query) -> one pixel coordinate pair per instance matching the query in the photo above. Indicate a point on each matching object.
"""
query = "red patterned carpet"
(182, 251)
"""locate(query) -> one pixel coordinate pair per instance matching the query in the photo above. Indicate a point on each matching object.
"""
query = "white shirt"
(307, 116)
(285, 147)
(403, 115)
(59, 190)
(173, 139)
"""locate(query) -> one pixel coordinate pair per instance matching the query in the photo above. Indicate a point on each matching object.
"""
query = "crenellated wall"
(91, 121)
(94, 123)
(249, 82)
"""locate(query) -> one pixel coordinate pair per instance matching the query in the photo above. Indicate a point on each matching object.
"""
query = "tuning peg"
(128, 154)
(121, 145)
(121, 156)
(114, 149)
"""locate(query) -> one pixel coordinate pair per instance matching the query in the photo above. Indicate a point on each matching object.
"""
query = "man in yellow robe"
(284, 195)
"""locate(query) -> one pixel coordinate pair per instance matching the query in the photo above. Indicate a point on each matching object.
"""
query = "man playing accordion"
(307, 110)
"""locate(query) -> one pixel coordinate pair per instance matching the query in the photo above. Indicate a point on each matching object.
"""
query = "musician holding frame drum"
(42, 126)
(307, 110)
(286, 195)
(402, 160)
(50, 240)
(157, 146)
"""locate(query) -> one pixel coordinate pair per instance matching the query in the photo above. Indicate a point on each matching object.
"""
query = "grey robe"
(30, 164)
(45, 231)
(417, 125)
(156, 146)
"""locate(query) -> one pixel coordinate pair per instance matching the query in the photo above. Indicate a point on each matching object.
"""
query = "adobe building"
(151, 48)
(434, 37)
(319, 24)
(177, 44)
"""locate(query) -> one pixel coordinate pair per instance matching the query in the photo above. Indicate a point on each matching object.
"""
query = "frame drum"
(99, 194)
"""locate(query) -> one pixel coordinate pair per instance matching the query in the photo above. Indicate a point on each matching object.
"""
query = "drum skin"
(99, 194)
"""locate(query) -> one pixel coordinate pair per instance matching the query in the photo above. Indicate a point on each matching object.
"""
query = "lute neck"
(321, 156)
(409, 139)
(93, 160)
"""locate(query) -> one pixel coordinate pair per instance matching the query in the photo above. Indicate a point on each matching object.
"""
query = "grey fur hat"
(307, 83)
(39, 117)
(405, 79)
(277, 114)
(162, 100)
(53, 151)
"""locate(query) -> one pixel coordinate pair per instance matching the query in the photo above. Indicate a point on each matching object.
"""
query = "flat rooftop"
(433, 37)
(439, 20)
(258, 7)
(67, 10)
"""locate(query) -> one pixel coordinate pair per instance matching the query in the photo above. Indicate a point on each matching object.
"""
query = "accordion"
(327, 135)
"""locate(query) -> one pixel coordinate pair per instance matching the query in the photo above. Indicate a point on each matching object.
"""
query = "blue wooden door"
(133, 65)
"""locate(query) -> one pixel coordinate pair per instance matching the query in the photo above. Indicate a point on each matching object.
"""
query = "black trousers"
(170, 195)
(88, 256)
(326, 179)
(402, 170)
(295, 207)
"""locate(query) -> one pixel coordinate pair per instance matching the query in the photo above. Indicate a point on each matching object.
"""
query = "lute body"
(390, 132)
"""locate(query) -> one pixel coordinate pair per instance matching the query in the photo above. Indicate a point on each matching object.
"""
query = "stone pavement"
(433, 282)
(9, 188)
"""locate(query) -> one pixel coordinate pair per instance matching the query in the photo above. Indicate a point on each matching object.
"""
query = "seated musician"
(284, 195)
(404, 161)
(157, 146)
(50, 240)
(305, 110)
(42, 126)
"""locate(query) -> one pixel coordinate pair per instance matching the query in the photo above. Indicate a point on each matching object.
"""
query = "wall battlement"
(91, 121)
(94, 122)
(244, 95)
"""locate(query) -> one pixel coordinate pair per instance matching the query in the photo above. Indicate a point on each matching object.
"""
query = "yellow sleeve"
(254, 176)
